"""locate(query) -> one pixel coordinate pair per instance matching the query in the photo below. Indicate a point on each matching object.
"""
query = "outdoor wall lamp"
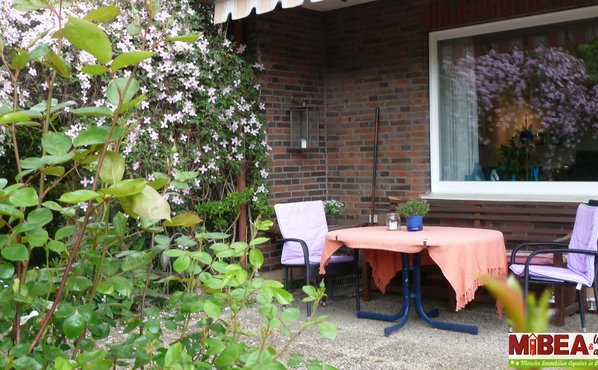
(304, 127)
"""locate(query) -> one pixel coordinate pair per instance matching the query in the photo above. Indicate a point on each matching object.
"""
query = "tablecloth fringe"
(469, 295)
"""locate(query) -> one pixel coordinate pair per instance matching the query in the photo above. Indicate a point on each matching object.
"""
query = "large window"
(514, 106)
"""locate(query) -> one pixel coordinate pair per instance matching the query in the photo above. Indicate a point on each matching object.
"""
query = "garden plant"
(104, 168)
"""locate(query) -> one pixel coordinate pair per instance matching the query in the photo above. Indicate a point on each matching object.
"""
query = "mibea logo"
(553, 350)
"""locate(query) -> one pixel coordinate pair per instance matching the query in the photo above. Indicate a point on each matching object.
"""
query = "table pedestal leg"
(408, 296)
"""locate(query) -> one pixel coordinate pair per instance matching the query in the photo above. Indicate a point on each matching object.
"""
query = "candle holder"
(393, 221)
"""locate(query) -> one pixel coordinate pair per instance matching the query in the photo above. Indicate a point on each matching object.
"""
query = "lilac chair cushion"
(551, 273)
(585, 236)
(580, 267)
(305, 221)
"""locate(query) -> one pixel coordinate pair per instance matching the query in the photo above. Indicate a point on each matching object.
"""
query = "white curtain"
(458, 118)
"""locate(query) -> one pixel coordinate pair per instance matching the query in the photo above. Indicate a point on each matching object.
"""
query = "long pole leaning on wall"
(374, 167)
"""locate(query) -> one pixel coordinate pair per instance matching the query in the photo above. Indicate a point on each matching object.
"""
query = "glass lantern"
(393, 222)
(304, 127)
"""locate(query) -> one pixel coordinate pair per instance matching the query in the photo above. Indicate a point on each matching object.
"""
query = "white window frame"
(512, 190)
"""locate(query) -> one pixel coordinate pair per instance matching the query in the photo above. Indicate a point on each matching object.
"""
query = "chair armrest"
(555, 251)
(303, 246)
(535, 244)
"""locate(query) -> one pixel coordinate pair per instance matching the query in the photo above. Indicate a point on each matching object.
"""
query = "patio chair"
(303, 227)
(581, 265)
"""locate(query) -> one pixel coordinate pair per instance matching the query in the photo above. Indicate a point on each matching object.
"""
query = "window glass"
(519, 105)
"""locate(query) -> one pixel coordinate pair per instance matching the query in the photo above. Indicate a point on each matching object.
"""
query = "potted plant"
(414, 211)
(333, 208)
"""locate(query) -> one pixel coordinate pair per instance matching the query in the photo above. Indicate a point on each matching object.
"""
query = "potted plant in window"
(333, 208)
(414, 211)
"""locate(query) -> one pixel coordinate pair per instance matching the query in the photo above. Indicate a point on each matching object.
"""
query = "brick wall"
(348, 62)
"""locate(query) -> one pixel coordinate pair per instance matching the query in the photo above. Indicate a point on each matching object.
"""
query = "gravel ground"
(361, 343)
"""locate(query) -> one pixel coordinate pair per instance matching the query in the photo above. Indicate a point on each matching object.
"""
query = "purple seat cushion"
(305, 221)
(580, 267)
(333, 259)
(551, 273)
(541, 259)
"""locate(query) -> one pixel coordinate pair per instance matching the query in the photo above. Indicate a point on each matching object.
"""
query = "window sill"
(511, 197)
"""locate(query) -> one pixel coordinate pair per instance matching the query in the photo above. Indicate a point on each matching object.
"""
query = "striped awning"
(242, 8)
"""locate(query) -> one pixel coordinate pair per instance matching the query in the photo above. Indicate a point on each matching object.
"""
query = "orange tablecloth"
(461, 253)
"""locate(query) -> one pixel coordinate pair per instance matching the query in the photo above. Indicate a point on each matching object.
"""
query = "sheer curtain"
(458, 118)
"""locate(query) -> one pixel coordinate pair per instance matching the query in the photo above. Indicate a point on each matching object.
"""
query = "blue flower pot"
(415, 223)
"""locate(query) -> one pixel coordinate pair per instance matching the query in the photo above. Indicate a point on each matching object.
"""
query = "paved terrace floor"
(361, 343)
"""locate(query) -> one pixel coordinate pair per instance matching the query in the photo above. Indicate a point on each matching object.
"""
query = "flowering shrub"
(101, 225)
(548, 83)
(200, 107)
(333, 207)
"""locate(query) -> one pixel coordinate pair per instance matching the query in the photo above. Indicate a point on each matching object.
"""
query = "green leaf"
(185, 175)
(92, 112)
(56, 246)
(212, 310)
(15, 252)
(40, 288)
(174, 252)
(97, 135)
(54, 171)
(256, 258)
(258, 241)
(136, 261)
(173, 354)
(39, 52)
(40, 216)
(130, 58)
(133, 103)
(53, 206)
(133, 30)
(104, 14)
(213, 236)
(73, 326)
(181, 264)
(191, 37)
(37, 237)
(58, 64)
(65, 232)
(87, 36)
(290, 315)
(62, 363)
(125, 188)
(7, 270)
(185, 219)
(25, 197)
(20, 59)
(6, 209)
(79, 196)
(160, 179)
(215, 284)
(122, 285)
(120, 223)
(113, 168)
(78, 283)
(201, 256)
(26, 363)
(327, 330)
(148, 204)
(116, 90)
(3, 183)
(57, 159)
(12, 117)
(229, 355)
(94, 69)
(105, 287)
(57, 143)
(27, 5)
